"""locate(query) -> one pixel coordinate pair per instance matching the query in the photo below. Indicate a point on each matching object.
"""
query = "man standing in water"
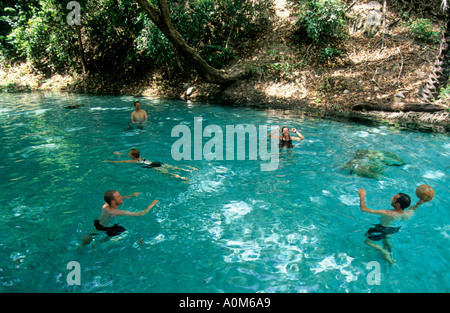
(110, 210)
(138, 116)
(390, 222)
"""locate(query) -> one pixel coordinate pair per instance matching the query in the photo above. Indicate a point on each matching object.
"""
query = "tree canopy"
(126, 38)
(120, 37)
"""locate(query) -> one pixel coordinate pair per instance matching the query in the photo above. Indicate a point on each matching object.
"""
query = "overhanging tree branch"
(165, 11)
(161, 18)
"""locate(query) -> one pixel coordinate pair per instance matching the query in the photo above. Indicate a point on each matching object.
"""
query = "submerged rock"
(371, 163)
(73, 106)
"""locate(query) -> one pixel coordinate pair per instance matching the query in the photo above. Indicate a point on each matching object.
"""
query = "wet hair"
(109, 196)
(404, 200)
(135, 152)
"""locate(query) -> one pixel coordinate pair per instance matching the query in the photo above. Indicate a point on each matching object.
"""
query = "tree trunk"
(441, 69)
(81, 49)
(161, 18)
(398, 107)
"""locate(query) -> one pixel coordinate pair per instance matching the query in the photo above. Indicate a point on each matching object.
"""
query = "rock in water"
(371, 163)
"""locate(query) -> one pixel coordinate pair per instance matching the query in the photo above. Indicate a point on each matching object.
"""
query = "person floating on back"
(390, 222)
(135, 157)
(110, 210)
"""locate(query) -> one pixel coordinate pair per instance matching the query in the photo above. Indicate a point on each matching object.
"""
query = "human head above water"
(403, 199)
(285, 130)
(135, 153)
(109, 196)
(137, 104)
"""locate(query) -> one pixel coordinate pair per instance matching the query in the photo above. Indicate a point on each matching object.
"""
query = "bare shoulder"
(407, 215)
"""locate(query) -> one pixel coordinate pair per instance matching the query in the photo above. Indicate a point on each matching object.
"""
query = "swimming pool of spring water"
(232, 227)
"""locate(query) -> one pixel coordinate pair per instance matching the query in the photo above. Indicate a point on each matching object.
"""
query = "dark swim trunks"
(148, 164)
(152, 165)
(380, 232)
(110, 231)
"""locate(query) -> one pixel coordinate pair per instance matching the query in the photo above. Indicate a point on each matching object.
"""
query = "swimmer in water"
(135, 157)
(138, 116)
(110, 210)
(285, 138)
(390, 222)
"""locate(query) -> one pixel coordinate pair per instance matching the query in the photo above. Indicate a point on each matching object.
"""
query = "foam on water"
(235, 210)
(435, 175)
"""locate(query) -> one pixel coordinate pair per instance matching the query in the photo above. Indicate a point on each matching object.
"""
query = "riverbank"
(249, 93)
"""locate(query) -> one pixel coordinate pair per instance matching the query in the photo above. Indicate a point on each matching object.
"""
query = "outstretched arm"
(123, 161)
(362, 204)
(141, 213)
(416, 206)
(132, 195)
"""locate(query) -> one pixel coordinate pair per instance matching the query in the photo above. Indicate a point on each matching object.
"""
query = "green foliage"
(329, 53)
(40, 34)
(117, 36)
(422, 30)
(13, 14)
(320, 21)
(214, 27)
(445, 91)
(281, 65)
(218, 56)
(110, 29)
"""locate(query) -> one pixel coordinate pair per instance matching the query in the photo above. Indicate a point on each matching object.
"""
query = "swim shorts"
(380, 232)
(110, 231)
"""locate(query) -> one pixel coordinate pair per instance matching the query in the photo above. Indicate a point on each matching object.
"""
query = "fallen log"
(398, 107)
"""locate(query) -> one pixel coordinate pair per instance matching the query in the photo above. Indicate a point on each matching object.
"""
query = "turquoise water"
(232, 228)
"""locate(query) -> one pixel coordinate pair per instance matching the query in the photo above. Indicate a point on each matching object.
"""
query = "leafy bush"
(422, 30)
(215, 28)
(445, 91)
(320, 21)
(329, 53)
(117, 36)
(218, 56)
